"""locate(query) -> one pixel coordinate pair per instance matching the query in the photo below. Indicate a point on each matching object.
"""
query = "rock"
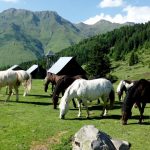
(90, 138)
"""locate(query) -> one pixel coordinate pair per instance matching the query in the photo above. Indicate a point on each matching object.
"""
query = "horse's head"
(46, 82)
(120, 89)
(125, 117)
(63, 106)
(126, 112)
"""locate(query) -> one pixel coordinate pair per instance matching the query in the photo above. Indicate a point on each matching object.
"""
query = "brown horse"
(53, 79)
(63, 84)
(139, 93)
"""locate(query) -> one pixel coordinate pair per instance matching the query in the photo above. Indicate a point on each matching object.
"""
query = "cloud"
(12, 1)
(132, 14)
(110, 3)
(137, 14)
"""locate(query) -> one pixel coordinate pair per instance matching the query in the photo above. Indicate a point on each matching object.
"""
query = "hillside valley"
(27, 35)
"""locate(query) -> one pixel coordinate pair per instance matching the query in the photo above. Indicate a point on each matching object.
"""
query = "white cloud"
(137, 14)
(133, 14)
(110, 3)
(12, 1)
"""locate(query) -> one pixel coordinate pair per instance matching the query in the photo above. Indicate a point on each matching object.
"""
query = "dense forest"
(116, 44)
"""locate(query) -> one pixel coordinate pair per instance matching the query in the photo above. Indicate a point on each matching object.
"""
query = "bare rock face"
(90, 138)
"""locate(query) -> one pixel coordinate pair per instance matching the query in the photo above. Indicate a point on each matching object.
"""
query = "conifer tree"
(98, 64)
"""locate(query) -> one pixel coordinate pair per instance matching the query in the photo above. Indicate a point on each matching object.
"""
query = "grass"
(33, 124)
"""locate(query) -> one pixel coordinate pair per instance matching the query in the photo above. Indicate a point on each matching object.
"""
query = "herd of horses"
(82, 90)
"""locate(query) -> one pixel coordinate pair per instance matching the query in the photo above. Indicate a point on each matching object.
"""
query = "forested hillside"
(117, 44)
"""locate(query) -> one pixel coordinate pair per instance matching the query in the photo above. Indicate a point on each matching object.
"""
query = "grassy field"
(33, 124)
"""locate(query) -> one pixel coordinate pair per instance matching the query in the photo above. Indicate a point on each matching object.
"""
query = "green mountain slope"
(29, 35)
(117, 44)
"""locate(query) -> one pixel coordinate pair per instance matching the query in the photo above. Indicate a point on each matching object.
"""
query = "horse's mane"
(128, 81)
(119, 85)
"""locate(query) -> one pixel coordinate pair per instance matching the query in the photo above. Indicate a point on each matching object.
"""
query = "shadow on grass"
(116, 117)
(39, 96)
(144, 121)
(35, 103)
(137, 123)
(27, 102)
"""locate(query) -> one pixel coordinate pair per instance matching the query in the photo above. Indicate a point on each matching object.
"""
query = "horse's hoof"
(62, 117)
(124, 123)
(140, 122)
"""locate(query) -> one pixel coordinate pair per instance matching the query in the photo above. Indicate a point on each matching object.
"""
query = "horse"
(88, 90)
(12, 79)
(62, 84)
(139, 93)
(122, 87)
(25, 79)
(51, 78)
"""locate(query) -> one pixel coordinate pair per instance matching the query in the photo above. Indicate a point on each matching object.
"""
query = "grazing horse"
(87, 90)
(122, 87)
(139, 93)
(11, 79)
(62, 84)
(51, 78)
(26, 80)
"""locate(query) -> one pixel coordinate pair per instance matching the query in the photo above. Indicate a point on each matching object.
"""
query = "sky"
(87, 11)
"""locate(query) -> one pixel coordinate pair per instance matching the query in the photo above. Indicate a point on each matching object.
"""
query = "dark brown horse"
(62, 84)
(139, 93)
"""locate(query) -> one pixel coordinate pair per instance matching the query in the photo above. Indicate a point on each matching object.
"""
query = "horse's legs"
(74, 103)
(80, 109)
(7, 88)
(86, 107)
(25, 88)
(141, 109)
(55, 101)
(104, 111)
(10, 92)
(17, 91)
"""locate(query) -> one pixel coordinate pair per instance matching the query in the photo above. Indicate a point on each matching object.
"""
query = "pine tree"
(98, 64)
(133, 59)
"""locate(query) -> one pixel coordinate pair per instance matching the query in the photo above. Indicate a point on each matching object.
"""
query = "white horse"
(123, 86)
(25, 79)
(13, 79)
(87, 90)
(10, 78)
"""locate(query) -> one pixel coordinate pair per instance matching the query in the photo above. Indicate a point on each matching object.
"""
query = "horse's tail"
(29, 83)
(112, 98)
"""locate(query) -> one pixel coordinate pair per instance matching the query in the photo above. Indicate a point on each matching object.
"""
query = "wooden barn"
(66, 66)
(37, 72)
(15, 67)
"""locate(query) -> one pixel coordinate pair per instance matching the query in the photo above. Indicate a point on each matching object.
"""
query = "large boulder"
(90, 138)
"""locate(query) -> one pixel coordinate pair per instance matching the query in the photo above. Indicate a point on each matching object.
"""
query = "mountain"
(100, 27)
(27, 35)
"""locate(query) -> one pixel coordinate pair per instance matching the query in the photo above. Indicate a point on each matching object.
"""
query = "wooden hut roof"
(66, 65)
(15, 67)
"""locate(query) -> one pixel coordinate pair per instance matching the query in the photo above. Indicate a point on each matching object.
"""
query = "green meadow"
(33, 124)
